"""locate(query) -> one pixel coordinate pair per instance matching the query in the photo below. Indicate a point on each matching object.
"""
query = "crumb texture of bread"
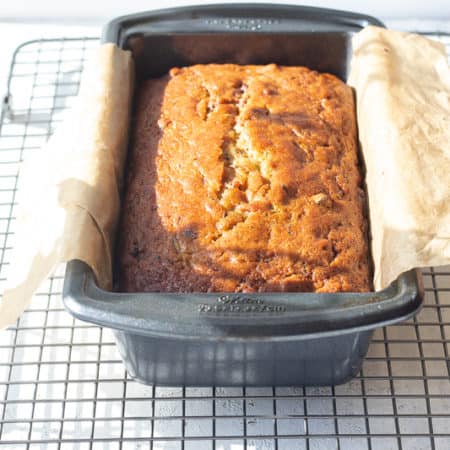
(244, 179)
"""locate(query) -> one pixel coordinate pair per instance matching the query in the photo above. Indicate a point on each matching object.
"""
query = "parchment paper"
(69, 192)
(402, 84)
(69, 202)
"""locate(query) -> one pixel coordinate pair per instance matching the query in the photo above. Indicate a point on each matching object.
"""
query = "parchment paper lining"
(69, 202)
(402, 84)
(69, 192)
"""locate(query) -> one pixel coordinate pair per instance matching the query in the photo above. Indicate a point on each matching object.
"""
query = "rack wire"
(63, 386)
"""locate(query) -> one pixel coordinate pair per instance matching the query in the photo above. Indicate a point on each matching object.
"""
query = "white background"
(100, 10)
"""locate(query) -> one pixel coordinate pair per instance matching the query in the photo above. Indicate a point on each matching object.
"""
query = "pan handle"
(236, 315)
(235, 18)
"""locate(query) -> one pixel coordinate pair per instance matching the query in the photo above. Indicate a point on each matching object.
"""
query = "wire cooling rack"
(63, 386)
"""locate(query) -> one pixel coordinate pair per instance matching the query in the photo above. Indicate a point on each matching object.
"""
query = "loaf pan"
(232, 338)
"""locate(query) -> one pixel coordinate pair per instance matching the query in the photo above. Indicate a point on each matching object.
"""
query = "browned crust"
(244, 178)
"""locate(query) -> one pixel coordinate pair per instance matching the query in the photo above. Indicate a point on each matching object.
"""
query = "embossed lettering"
(243, 23)
(241, 305)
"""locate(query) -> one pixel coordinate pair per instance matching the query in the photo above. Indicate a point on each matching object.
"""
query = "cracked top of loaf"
(241, 179)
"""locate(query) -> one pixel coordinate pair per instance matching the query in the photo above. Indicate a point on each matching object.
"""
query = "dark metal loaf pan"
(235, 339)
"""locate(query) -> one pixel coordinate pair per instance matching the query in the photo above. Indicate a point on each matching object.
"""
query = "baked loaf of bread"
(241, 179)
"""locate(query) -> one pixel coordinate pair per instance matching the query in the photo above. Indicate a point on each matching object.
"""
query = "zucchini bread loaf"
(241, 179)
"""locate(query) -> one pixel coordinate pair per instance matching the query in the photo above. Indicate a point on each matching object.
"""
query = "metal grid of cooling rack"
(62, 384)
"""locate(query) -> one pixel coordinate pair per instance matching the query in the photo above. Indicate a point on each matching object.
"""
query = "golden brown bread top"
(244, 178)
